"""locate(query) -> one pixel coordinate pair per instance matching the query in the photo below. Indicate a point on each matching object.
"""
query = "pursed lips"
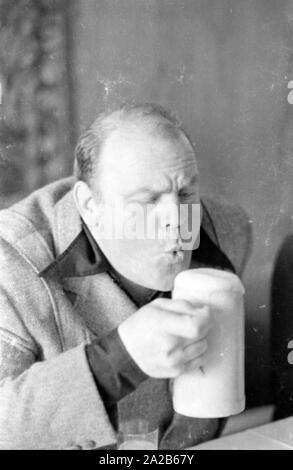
(173, 249)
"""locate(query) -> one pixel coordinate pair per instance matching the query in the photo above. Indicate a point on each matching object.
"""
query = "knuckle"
(203, 345)
(164, 355)
(160, 302)
(195, 330)
(171, 361)
(167, 345)
(179, 358)
(175, 370)
(165, 359)
(173, 358)
(199, 350)
(206, 317)
(194, 363)
(207, 313)
(183, 304)
(192, 327)
(153, 317)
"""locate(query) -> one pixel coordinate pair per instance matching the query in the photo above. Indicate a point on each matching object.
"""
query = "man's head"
(138, 156)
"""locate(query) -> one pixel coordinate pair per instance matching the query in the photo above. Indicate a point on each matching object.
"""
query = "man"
(90, 336)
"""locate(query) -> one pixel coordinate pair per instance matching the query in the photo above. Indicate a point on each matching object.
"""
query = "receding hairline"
(127, 121)
(130, 132)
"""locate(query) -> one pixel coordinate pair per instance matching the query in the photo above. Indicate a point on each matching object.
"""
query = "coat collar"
(66, 223)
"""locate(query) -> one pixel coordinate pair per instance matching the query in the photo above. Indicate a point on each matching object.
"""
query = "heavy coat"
(48, 398)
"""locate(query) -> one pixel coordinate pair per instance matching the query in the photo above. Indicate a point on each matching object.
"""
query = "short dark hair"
(157, 120)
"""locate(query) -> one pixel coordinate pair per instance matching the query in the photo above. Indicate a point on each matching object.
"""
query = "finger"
(195, 350)
(179, 305)
(191, 352)
(199, 313)
(182, 343)
(195, 364)
(198, 363)
(194, 326)
(198, 310)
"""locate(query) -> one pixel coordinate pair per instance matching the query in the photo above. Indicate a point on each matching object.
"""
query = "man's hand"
(167, 337)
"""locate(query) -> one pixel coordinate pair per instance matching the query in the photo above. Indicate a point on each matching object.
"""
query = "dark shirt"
(115, 372)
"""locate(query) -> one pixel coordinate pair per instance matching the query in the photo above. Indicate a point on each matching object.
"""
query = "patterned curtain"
(36, 121)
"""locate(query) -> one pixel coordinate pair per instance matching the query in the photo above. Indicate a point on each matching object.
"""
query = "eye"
(153, 199)
(186, 194)
(150, 199)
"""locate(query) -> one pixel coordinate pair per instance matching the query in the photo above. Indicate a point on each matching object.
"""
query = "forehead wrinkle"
(152, 188)
(133, 133)
(118, 149)
(171, 184)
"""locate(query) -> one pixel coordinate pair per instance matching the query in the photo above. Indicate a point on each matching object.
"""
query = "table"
(273, 436)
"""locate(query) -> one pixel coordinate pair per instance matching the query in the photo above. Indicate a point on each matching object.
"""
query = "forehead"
(133, 156)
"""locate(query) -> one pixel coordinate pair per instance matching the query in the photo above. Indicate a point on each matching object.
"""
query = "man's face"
(138, 169)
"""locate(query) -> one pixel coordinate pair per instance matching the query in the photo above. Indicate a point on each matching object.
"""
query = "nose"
(168, 212)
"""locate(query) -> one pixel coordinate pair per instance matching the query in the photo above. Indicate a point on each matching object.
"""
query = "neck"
(140, 294)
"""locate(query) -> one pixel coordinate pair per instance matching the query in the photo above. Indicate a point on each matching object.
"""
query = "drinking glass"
(136, 434)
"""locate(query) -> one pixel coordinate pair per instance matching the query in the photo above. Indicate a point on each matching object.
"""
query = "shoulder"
(28, 224)
(24, 302)
(38, 207)
(230, 228)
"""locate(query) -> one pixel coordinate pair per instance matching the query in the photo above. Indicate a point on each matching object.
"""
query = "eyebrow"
(193, 180)
(145, 189)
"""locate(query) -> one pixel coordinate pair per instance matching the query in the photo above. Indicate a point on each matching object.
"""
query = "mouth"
(174, 255)
(174, 249)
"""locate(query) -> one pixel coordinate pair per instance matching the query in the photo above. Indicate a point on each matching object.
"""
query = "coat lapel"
(66, 223)
(101, 302)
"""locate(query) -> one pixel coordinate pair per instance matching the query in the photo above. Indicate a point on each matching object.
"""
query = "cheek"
(136, 248)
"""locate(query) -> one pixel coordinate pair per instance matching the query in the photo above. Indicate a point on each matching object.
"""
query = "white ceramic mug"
(216, 389)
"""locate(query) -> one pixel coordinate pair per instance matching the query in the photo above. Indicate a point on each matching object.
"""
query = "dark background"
(222, 65)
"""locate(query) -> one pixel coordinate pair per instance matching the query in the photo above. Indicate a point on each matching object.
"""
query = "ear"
(86, 204)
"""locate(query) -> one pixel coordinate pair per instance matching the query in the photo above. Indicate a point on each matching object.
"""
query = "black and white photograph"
(146, 227)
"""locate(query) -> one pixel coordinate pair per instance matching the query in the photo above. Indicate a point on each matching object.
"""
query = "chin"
(164, 283)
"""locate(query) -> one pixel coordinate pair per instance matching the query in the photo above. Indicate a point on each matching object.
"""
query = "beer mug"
(217, 388)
